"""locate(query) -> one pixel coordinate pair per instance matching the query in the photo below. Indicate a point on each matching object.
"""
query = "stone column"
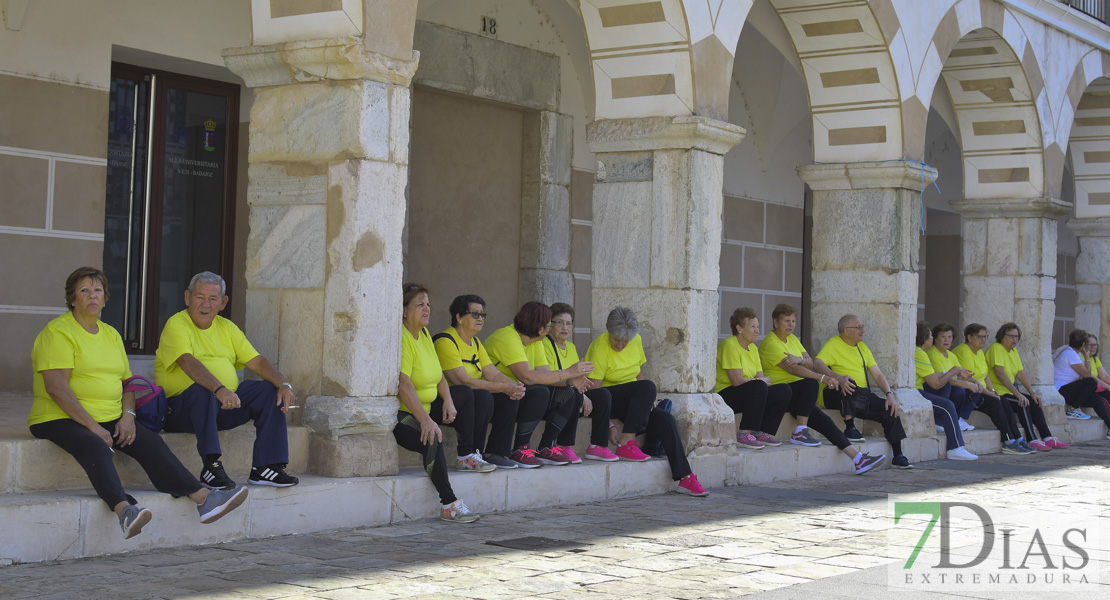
(1009, 269)
(866, 239)
(656, 248)
(545, 209)
(329, 139)
(1092, 276)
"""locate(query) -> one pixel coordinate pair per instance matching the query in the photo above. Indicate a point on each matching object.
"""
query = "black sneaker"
(214, 478)
(853, 434)
(900, 462)
(273, 475)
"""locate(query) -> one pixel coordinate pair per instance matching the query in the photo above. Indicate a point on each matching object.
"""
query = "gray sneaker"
(1012, 447)
(132, 520)
(220, 502)
(1025, 446)
(501, 461)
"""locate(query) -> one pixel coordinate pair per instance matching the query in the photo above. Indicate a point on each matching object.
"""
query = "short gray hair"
(842, 324)
(622, 324)
(208, 277)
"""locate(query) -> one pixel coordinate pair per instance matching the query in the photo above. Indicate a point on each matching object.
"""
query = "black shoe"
(900, 462)
(853, 434)
(273, 475)
(213, 477)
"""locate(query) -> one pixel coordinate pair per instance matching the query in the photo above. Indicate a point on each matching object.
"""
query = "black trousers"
(944, 414)
(407, 434)
(164, 469)
(506, 412)
(547, 405)
(599, 424)
(472, 415)
(1081, 393)
(1001, 414)
(632, 403)
(762, 405)
(1030, 416)
(865, 405)
(959, 396)
(803, 401)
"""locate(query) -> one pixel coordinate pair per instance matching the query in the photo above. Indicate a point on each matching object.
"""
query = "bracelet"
(890, 393)
(217, 390)
(822, 380)
(288, 385)
(130, 412)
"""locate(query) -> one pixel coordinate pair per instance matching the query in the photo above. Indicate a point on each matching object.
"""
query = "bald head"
(845, 322)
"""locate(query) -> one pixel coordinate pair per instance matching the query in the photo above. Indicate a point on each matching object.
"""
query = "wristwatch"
(288, 385)
(130, 412)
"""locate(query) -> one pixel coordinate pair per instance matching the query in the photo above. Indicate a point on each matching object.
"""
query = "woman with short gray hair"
(618, 359)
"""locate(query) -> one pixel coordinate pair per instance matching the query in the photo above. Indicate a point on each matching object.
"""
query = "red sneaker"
(1055, 443)
(571, 456)
(552, 456)
(526, 457)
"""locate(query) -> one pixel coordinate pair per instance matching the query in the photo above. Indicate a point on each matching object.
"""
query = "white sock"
(799, 429)
(858, 458)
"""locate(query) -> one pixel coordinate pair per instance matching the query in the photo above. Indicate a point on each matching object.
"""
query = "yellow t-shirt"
(941, 363)
(222, 349)
(560, 358)
(845, 360)
(505, 348)
(976, 362)
(97, 362)
(453, 355)
(923, 366)
(731, 354)
(420, 363)
(1009, 361)
(771, 352)
(1095, 364)
(612, 367)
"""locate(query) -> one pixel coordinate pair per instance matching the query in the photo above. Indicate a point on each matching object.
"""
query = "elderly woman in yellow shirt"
(743, 386)
(1006, 371)
(944, 411)
(618, 359)
(421, 383)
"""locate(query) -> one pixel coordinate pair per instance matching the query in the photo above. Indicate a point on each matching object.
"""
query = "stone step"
(29, 464)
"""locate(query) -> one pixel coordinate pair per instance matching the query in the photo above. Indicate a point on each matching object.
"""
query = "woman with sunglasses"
(1005, 372)
(595, 403)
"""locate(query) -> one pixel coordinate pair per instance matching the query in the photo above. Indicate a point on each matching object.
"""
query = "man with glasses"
(848, 356)
(465, 362)
(198, 355)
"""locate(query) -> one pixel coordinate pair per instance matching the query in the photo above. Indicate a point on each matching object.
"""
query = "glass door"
(169, 204)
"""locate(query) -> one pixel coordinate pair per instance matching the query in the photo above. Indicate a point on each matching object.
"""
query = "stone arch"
(662, 57)
(850, 78)
(1087, 129)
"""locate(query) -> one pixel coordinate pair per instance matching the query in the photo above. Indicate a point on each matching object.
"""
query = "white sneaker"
(961, 453)
(965, 426)
(940, 429)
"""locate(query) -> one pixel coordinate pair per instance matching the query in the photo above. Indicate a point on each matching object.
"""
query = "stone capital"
(663, 133)
(981, 208)
(905, 174)
(1090, 226)
(329, 59)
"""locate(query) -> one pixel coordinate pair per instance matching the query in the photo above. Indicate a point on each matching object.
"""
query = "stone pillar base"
(917, 413)
(704, 420)
(351, 437)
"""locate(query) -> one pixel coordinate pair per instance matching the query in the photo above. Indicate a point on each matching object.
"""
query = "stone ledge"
(325, 59)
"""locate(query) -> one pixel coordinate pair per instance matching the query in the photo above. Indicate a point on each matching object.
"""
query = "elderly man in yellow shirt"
(196, 363)
(847, 355)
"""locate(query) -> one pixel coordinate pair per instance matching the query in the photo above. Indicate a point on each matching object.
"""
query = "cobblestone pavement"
(826, 537)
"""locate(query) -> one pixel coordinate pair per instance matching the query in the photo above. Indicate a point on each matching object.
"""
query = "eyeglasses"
(1016, 336)
(477, 315)
(855, 327)
(562, 323)
(981, 336)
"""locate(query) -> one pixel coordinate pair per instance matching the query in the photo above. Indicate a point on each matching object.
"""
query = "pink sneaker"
(767, 439)
(747, 440)
(691, 486)
(568, 452)
(631, 451)
(1040, 446)
(600, 453)
(1055, 443)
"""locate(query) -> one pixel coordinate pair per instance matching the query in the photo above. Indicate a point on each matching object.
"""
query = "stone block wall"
(53, 165)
